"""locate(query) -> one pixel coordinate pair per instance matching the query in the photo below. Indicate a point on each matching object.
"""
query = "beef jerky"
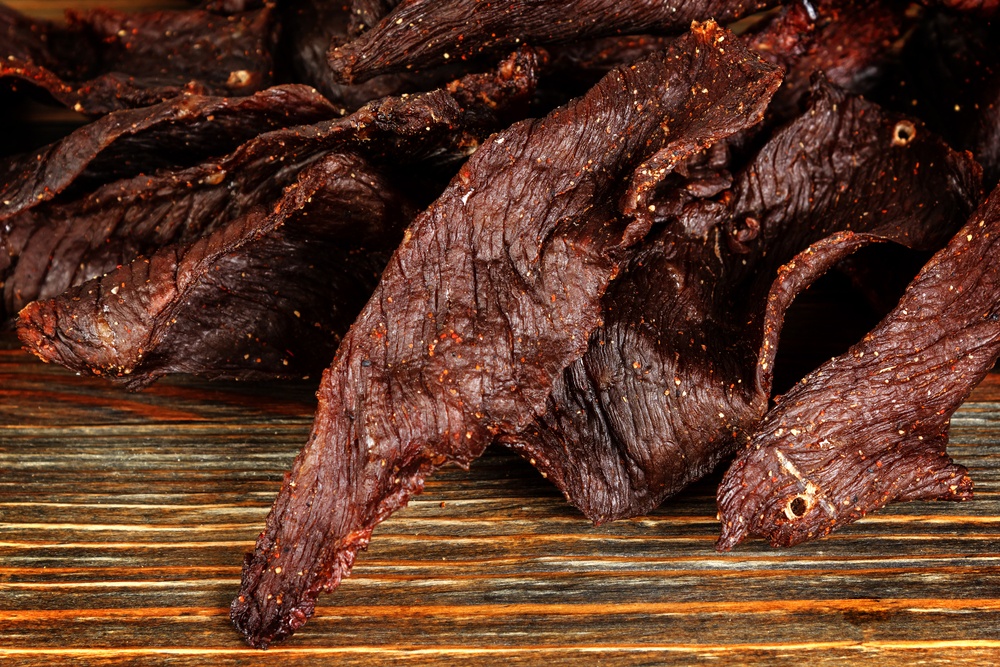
(950, 76)
(105, 60)
(683, 362)
(309, 27)
(852, 43)
(366, 13)
(174, 134)
(266, 296)
(871, 427)
(493, 291)
(47, 249)
(577, 66)
(981, 7)
(421, 33)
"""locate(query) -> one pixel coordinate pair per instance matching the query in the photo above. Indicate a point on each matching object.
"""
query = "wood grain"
(124, 518)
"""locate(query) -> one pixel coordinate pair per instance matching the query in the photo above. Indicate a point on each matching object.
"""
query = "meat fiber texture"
(179, 133)
(494, 290)
(949, 72)
(105, 60)
(266, 296)
(870, 427)
(422, 33)
(54, 246)
(684, 360)
(309, 27)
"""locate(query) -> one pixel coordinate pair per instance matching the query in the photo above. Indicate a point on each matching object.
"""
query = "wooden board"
(124, 519)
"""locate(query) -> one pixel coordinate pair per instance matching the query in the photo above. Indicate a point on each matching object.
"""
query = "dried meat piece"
(852, 43)
(308, 29)
(266, 296)
(178, 133)
(366, 13)
(871, 427)
(421, 33)
(981, 7)
(684, 360)
(105, 60)
(47, 249)
(950, 77)
(493, 291)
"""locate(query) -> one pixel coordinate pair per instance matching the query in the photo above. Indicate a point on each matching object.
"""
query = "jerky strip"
(421, 33)
(106, 60)
(871, 427)
(683, 363)
(494, 290)
(852, 43)
(265, 296)
(309, 27)
(46, 250)
(174, 134)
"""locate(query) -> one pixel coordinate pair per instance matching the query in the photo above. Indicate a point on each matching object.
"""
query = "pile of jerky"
(571, 228)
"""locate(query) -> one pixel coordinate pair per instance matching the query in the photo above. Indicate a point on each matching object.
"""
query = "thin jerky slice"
(950, 77)
(105, 60)
(174, 134)
(852, 43)
(266, 296)
(422, 33)
(366, 13)
(45, 250)
(981, 7)
(309, 27)
(494, 290)
(871, 427)
(683, 363)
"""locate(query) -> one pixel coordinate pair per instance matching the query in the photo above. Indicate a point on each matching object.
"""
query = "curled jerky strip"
(265, 296)
(105, 60)
(422, 33)
(173, 134)
(45, 250)
(871, 427)
(682, 367)
(493, 291)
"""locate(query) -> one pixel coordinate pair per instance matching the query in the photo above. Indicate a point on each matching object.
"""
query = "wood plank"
(122, 529)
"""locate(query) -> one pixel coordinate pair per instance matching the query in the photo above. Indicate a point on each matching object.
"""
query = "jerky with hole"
(871, 427)
(494, 290)
(682, 368)
(45, 250)
(105, 60)
(266, 296)
(950, 75)
(419, 34)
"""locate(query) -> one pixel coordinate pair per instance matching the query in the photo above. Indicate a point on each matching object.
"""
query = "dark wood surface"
(124, 519)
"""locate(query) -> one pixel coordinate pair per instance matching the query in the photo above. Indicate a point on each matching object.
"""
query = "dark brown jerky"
(366, 13)
(174, 134)
(266, 296)
(308, 29)
(950, 77)
(981, 7)
(422, 33)
(871, 427)
(683, 363)
(47, 249)
(493, 291)
(105, 60)
(852, 43)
